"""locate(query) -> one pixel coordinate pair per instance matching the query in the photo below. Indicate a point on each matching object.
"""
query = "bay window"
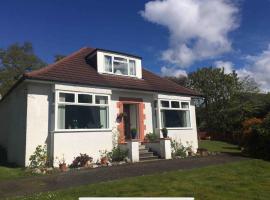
(119, 65)
(82, 111)
(175, 114)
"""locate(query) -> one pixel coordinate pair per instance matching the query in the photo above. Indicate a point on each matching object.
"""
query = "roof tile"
(74, 69)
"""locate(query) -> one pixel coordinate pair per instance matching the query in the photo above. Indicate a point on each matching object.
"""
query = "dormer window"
(119, 65)
(111, 62)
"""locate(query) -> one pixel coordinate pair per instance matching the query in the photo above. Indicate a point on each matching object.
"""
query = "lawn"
(218, 146)
(11, 173)
(248, 179)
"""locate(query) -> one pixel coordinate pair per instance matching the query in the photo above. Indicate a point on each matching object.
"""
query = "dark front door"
(127, 121)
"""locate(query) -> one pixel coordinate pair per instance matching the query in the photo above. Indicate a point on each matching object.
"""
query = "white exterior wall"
(187, 136)
(38, 119)
(71, 143)
(13, 124)
(38, 123)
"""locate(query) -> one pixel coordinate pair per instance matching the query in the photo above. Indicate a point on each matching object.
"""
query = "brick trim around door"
(141, 115)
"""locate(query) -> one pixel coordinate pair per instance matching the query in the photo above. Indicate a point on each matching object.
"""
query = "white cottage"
(75, 105)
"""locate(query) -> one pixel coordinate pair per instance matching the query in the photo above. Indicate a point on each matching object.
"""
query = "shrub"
(256, 140)
(151, 137)
(81, 161)
(39, 158)
(178, 149)
(249, 123)
(117, 154)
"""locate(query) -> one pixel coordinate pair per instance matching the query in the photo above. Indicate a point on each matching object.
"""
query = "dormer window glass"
(132, 67)
(119, 65)
(108, 63)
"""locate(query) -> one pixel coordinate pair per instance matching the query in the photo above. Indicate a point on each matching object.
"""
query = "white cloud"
(258, 68)
(169, 71)
(198, 29)
(228, 66)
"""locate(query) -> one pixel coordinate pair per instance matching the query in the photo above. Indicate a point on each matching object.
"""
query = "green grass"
(11, 173)
(218, 146)
(246, 180)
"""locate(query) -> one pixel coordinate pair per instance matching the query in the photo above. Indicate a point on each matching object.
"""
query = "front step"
(145, 154)
(148, 158)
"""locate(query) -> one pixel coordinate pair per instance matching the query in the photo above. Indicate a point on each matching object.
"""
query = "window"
(184, 105)
(175, 104)
(119, 65)
(101, 100)
(84, 98)
(108, 63)
(165, 104)
(174, 116)
(66, 97)
(86, 111)
(132, 67)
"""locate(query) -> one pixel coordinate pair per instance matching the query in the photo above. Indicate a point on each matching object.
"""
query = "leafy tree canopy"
(14, 61)
(58, 57)
(225, 103)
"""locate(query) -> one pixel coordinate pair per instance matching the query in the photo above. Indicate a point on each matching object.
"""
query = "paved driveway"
(30, 185)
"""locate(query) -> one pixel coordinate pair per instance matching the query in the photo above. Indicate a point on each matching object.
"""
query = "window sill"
(81, 130)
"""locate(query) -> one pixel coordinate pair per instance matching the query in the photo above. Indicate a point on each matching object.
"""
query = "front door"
(127, 124)
(131, 112)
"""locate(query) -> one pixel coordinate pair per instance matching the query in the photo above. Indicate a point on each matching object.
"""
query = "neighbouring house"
(75, 105)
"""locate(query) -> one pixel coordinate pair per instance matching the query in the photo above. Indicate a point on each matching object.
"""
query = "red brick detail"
(120, 126)
(141, 106)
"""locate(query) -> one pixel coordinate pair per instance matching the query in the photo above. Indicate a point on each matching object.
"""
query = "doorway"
(130, 120)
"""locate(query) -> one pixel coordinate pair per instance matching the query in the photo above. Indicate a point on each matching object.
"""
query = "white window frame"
(123, 57)
(170, 108)
(57, 103)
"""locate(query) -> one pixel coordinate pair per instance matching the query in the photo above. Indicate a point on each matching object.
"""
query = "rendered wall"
(39, 99)
(13, 124)
(187, 136)
(71, 144)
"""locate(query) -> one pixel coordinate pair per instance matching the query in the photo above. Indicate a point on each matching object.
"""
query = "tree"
(181, 80)
(14, 61)
(249, 85)
(218, 89)
(58, 57)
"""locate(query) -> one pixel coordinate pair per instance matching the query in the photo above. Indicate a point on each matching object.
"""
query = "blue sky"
(235, 34)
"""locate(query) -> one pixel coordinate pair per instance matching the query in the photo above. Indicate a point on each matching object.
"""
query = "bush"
(117, 154)
(249, 123)
(151, 137)
(39, 158)
(178, 149)
(256, 140)
(81, 161)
